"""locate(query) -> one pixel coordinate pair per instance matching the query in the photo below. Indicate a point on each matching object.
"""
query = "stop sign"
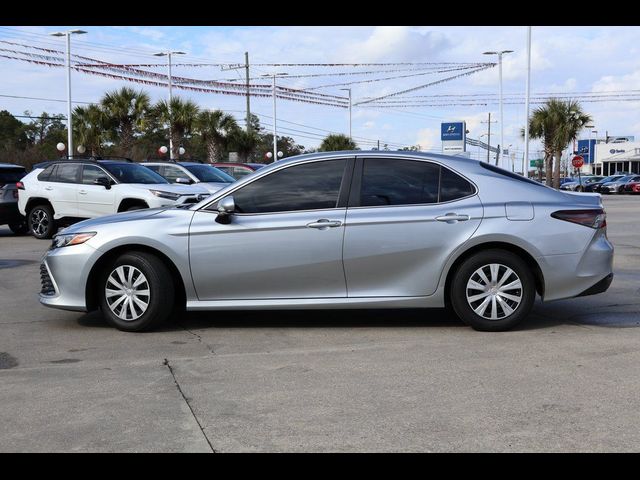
(577, 161)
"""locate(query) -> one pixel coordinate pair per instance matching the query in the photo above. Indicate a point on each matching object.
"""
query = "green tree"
(216, 129)
(556, 123)
(244, 143)
(12, 132)
(336, 142)
(89, 128)
(126, 111)
(180, 119)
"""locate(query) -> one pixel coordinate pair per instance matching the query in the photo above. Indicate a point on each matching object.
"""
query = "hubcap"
(127, 292)
(39, 221)
(494, 291)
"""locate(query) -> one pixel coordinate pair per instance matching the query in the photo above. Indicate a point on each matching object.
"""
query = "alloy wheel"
(39, 221)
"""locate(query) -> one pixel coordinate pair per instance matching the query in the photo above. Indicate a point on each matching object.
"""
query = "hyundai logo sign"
(452, 131)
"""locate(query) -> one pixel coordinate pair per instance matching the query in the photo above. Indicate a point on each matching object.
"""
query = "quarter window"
(453, 186)
(312, 186)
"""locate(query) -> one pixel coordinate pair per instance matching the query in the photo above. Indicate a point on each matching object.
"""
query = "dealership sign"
(453, 136)
(587, 150)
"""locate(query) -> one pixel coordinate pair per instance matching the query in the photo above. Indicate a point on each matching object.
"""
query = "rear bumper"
(9, 213)
(601, 286)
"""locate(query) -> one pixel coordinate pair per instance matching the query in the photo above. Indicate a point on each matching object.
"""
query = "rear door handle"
(324, 223)
(48, 188)
(452, 218)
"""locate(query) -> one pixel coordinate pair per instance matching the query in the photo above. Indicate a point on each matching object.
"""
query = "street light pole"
(500, 53)
(275, 141)
(168, 55)
(349, 90)
(525, 158)
(67, 64)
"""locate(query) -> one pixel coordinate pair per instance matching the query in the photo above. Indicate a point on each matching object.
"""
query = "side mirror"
(104, 181)
(184, 180)
(226, 208)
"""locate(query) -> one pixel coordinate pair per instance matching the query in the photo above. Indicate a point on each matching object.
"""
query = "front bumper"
(64, 273)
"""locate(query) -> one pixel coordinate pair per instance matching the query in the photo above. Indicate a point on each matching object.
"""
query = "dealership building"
(610, 155)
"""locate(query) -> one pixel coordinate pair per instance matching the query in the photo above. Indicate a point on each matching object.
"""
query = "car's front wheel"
(41, 222)
(493, 290)
(136, 292)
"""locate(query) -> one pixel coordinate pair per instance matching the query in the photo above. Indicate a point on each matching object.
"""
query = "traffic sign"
(577, 161)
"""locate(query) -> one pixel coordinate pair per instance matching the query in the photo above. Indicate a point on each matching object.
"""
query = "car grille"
(45, 280)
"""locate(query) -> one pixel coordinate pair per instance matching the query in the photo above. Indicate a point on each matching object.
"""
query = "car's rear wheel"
(493, 290)
(136, 292)
(579, 188)
(40, 221)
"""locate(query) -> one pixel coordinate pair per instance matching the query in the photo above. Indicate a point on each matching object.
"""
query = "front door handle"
(324, 223)
(452, 218)
(82, 192)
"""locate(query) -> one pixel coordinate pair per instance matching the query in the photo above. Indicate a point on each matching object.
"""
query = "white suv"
(191, 173)
(65, 191)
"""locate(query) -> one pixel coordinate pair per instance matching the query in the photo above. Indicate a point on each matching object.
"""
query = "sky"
(568, 60)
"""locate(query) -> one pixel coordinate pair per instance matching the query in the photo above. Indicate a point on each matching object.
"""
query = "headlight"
(167, 195)
(62, 240)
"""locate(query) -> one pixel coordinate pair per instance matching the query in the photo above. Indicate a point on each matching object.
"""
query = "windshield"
(133, 173)
(208, 173)
(625, 179)
(11, 175)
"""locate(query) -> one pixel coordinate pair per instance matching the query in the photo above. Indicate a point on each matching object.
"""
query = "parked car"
(238, 170)
(10, 174)
(595, 186)
(359, 229)
(68, 190)
(632, 187)
(616, 186)
(578, 184)
(191, 173)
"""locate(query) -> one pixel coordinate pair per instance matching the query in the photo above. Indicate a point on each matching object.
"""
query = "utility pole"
(349, 90)
(500, 53)
(525, 159)
(275, 133)
(489, 122)
(378, 145)
(246, 70)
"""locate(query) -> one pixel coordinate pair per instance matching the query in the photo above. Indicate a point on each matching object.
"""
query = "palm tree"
(557, 123)
(180, 118)
(89, 127)
(571, 119)
(126, 110)
(215, 128)
(335, 142)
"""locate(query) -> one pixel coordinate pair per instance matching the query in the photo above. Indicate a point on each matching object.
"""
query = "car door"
(61, 189)
(405, 218)
(94, 200)
(285, 241)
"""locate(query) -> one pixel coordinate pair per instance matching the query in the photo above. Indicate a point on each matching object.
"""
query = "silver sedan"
(341, 230)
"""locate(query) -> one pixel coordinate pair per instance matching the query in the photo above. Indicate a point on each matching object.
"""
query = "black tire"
(135, 207)
(40, 222)
(160, 286)
(579, 188)
(19, 228)
(467, 271)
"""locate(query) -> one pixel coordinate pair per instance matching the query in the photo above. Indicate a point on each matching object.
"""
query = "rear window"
(11, 175)
(509, 174)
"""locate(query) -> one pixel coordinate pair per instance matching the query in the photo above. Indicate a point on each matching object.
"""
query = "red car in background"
(632, 187)
(238, 170)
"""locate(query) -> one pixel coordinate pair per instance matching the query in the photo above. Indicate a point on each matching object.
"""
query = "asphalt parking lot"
(566, 380)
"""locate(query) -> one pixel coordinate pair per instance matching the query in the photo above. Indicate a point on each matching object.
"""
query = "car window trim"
(356, 188)
(342, 184)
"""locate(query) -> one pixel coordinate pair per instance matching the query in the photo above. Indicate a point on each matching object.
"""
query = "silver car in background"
(341, 230)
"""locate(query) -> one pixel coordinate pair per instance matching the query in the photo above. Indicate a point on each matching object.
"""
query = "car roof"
(11, 165)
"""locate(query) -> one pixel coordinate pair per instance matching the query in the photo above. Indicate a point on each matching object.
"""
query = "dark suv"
(9, 175)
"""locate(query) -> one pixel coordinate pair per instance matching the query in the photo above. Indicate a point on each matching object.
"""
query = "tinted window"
(453, 186)
(305, 187)
(90, 173)
(11, 175)
(208, 173)
(47, 174)
(133, 173)
(67, 173)
(399, 182)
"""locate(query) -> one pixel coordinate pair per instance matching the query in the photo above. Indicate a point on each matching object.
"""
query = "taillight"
(20, 185)
(596, 218)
